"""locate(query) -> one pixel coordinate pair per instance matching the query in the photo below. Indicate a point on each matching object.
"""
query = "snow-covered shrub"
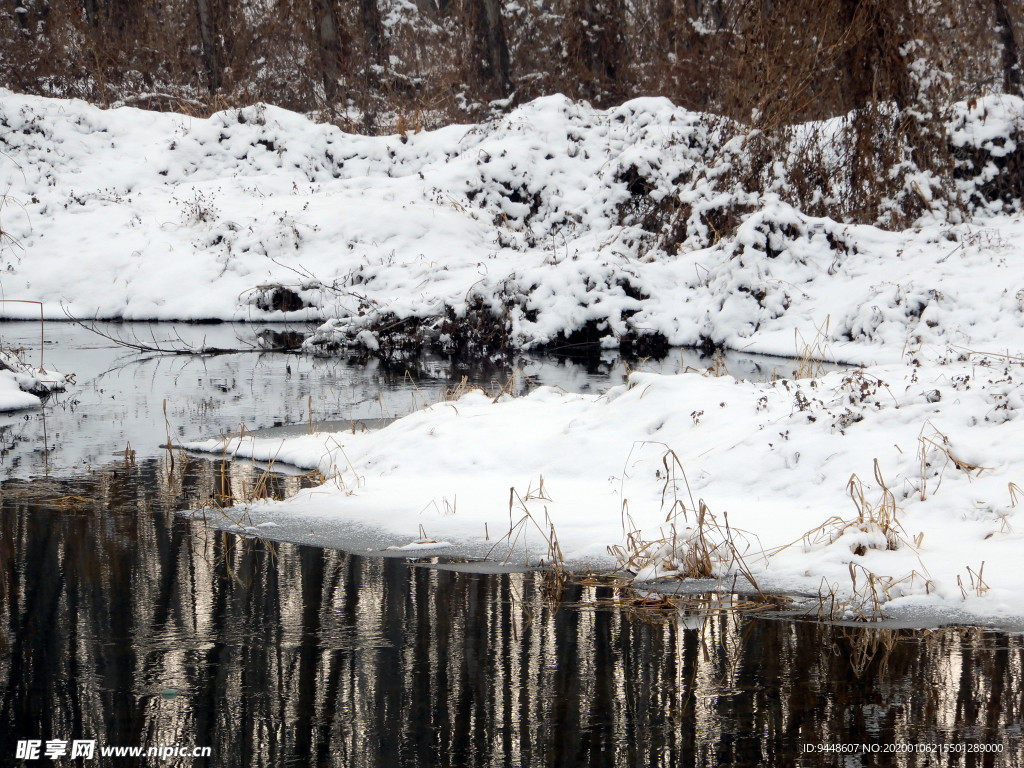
(987, 138)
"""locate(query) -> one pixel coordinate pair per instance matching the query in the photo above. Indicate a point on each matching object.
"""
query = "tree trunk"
(875, 69)
(125, 16)
(497, 45)
(92, 13)
(1011, 55)
(373, 31)
(595, 46)
(211, 52)
(435, 7)
(666, 17)
(329, 43)
(491, 48)
(21, 13)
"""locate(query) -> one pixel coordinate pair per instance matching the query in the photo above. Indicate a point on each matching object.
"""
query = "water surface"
(123, 622)
(124, 399)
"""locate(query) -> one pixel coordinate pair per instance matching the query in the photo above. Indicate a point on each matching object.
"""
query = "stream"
(126, 624)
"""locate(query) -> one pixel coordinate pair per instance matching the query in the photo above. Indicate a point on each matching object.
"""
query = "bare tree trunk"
(667, 31)
(875, 69)
(211, 52)
(488, 47)
(92, 14)
(497, 46)
(435, 7)
(595, 45)
(373, 30)
(22, 15)
(1011, 55)
(329, 43)
(125, 16)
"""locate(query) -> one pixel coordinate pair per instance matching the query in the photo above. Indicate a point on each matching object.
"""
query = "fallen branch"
(176, 345)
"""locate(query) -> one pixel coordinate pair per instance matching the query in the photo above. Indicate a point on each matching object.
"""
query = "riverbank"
(22, 385)
(558, 225)
(102, 576)
(561, 226)
(891, 486)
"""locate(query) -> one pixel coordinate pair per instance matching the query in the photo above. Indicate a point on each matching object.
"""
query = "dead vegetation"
(522, 519)
(176, 345)
(393, 67)
(886, 70)
(934, 446)
(694, 544)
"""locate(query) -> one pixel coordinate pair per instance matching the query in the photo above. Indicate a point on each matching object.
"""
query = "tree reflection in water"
(126, 624)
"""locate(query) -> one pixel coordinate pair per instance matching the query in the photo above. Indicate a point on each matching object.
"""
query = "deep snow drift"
(896, 483)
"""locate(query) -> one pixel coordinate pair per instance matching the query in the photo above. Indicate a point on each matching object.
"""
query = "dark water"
(127, 624)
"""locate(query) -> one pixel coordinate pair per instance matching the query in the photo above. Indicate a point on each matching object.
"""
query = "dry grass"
(239, 486)
(1015, 492)
(521, 518)
(718, 367)
(869, 594)
(875, 516)
(169, 445)
(812, 355)
(978, 585)
(233, 496)
(933, 444)
(495, 392)
(868, 646)
(689, 611)
(707, 549)
(694, 543)
(876, 526)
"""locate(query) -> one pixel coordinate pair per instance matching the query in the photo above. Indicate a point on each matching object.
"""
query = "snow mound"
(556, 225)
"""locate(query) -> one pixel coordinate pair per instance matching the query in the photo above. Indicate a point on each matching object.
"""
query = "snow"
(421, 546)
(783, 463)
(893, 483)
(545, 222)
(21, 385)
(12, 397)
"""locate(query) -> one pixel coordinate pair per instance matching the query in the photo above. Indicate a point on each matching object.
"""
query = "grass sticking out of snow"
(931, 442)
(693, 543)
(521, 517)
(812, 355)
(765, 463)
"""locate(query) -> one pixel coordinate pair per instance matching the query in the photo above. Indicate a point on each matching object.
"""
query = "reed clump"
(694, 543)
(811, 355)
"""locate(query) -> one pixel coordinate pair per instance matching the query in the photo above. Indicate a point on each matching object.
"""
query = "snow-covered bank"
(561, 224)
(558, 223)
(21, 385)
(895, 483)
(12, 396)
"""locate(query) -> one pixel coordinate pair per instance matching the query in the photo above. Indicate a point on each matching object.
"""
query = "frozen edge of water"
(363, 541)
(460, 556)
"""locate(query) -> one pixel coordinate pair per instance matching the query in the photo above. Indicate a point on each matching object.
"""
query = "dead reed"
(811, 355)
(933, 444)
(694, 543)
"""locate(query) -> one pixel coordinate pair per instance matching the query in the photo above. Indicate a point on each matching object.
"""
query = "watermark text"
(87, 749)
